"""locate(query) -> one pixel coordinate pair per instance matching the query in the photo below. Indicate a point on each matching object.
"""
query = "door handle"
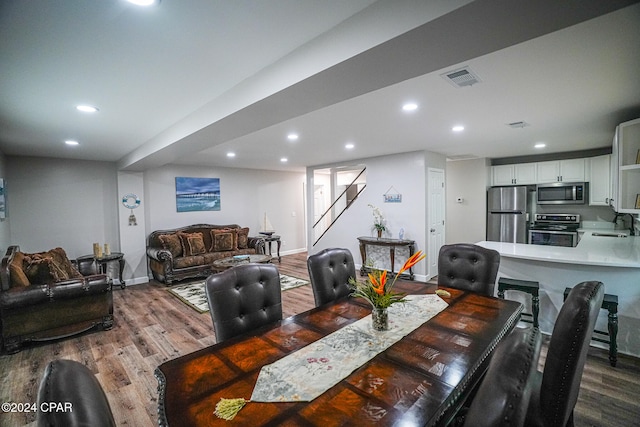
(433, 230)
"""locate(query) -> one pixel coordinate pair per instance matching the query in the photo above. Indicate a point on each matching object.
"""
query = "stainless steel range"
(555, 230)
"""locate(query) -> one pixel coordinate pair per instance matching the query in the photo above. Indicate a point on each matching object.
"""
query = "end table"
(272, 238)
(101, 264)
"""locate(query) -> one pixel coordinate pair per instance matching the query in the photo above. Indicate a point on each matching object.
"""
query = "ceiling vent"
(462, 77)
(461, 157)
(518, 125)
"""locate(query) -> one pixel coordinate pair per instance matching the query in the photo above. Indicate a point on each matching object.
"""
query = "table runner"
(314, 369)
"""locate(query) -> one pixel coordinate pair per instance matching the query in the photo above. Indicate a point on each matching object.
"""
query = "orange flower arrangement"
(377, 289)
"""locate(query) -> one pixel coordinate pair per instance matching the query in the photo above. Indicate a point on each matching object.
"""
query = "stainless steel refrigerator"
(507, 214)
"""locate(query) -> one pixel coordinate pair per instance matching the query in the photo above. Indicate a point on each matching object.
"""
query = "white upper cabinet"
(517, 174)
(600, 180)
(628, 165)
(571, 170)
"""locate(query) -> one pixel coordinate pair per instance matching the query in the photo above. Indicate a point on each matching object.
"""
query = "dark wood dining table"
(422, 380)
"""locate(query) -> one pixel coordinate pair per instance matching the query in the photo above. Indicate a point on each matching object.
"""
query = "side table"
(272, 238)
(101, 264)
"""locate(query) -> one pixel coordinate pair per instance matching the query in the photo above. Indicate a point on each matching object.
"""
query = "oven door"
(553, 238)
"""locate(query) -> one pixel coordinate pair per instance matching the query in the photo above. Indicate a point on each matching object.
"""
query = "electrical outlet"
(293, 213)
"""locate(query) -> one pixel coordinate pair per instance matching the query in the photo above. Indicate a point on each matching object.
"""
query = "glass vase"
(380, 319)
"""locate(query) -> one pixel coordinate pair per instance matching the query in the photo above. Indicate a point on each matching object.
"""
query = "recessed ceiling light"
(292, 137)
(349, 146)
(457, 128)
(87, 108)
(231, 154)
(144, 2)
(71, 142)
(540, 145)
(284, 160)
(411, 106)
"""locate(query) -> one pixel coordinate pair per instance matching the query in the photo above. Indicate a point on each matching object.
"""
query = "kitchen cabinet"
(571, 170)
(600, 180)
(615, 172)
(516, 174)
(627, 147)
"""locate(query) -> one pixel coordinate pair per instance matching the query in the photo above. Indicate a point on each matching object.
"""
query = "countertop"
(591, 250)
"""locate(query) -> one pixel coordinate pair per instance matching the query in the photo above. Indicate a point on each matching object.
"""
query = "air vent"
(461, 157)
(518, 125)
(461, 77)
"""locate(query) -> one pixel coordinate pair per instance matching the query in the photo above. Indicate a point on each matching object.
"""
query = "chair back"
(243, 298)
(468, 267)
(567, 354)
(329, 272)
(504, 394)
(72, 396)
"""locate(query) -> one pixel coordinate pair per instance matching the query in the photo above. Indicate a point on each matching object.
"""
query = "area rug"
(194, 296)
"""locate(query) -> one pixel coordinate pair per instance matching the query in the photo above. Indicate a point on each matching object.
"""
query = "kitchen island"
(615, 261)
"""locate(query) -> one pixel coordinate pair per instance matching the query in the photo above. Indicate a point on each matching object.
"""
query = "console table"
(392, 244)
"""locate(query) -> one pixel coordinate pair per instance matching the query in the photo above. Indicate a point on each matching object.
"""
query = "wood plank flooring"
(152, 326)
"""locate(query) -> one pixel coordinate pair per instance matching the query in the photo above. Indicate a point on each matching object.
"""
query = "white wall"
(66, 203)
(406, 173)
(5, 231)
(245, 197)
(466, 222)
(132, 235)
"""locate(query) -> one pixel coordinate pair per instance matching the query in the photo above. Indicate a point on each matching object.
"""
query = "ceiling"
(188, 82)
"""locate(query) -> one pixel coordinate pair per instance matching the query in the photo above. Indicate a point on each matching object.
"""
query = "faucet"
(631, 225)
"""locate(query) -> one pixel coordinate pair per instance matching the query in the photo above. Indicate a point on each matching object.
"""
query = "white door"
(435, 219)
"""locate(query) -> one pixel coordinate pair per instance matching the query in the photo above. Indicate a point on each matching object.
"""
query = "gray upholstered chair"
(504, 394)
(72, 396)
(556, 388)
(329, 272)
(244, 298)
(468, 267)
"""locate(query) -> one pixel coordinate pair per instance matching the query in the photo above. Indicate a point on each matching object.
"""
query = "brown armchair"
(44, 297)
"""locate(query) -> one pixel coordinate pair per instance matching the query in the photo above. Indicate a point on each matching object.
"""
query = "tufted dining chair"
(244, 298)
(556, 387)
(329, 272)
(504, 394)
(468, 267)
(70, 395)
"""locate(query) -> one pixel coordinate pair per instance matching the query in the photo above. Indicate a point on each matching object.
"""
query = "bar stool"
(609, 303)
(530, 287)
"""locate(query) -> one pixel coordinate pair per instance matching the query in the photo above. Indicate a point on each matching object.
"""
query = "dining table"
(423, 379)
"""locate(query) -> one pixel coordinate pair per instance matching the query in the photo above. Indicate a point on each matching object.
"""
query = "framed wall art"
(3, 205)
(197, 194)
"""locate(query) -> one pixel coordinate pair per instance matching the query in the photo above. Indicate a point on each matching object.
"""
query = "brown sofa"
(188, 252)
(44, 297)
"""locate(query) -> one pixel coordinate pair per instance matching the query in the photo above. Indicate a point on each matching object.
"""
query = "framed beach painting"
(3, 207)
(197, 194)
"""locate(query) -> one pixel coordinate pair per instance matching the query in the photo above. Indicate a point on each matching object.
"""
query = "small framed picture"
(638, 158)
(637, 201)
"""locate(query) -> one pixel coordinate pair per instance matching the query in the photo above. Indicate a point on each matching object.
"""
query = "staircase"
(345, 195)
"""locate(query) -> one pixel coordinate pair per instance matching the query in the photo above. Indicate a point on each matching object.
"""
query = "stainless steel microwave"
(561, 193)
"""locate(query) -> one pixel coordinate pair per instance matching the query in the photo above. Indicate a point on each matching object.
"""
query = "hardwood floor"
(152, 326)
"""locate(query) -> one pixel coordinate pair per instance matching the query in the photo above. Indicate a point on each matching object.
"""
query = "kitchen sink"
(609, 234)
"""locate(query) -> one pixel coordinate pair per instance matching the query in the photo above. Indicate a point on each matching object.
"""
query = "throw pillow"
(16, 272)
(171, 243)
(192, 244)
(222, 240)
(39, 270)
(64, 269)
(243, 238)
